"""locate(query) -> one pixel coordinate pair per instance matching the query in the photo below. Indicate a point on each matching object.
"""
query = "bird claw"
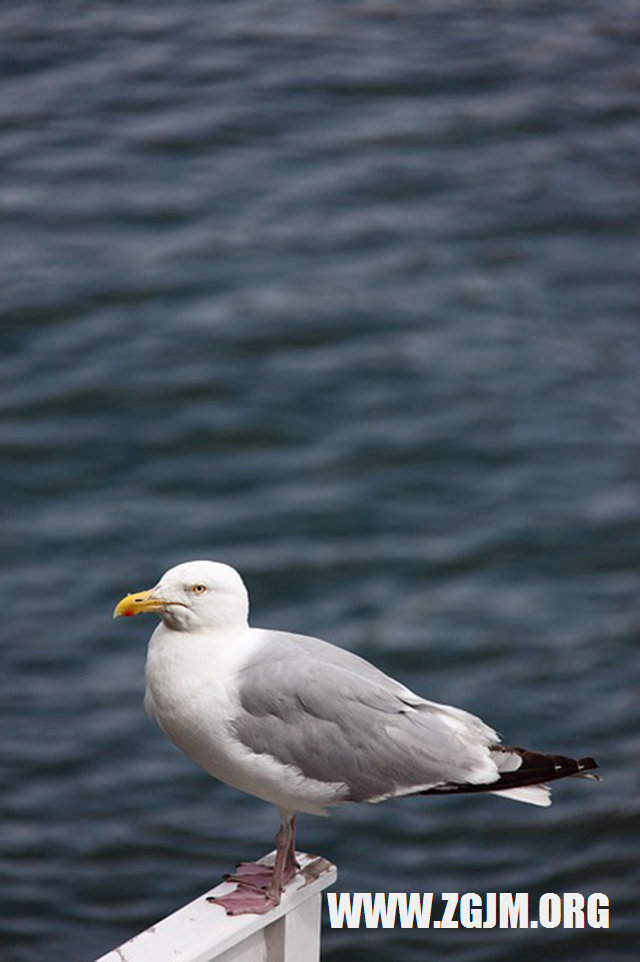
(252, 875)
(244, 901)
(254, 892)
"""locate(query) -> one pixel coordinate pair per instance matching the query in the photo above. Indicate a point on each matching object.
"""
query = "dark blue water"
(344, 294)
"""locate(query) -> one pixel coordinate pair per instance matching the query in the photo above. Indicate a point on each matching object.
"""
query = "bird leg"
(285, 866)
(259, 887)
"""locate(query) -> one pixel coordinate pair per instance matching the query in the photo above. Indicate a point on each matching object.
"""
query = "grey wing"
(336, 718)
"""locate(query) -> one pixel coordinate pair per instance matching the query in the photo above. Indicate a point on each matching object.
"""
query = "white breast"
(191, 693)
(190, 689)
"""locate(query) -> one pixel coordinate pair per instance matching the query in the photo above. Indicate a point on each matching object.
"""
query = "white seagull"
(305, 725)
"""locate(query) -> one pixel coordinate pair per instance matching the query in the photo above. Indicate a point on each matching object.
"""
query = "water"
(343, 294)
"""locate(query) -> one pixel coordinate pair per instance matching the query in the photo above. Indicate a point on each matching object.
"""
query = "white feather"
(533, 794)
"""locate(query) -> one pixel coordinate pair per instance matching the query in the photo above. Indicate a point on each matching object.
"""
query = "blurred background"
(344, 294)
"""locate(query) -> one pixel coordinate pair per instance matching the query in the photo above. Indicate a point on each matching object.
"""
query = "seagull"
(306, 725)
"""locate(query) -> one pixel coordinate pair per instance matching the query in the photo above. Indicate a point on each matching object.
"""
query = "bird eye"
(199, 589)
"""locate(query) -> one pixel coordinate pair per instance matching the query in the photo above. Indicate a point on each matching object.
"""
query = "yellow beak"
(136, 603)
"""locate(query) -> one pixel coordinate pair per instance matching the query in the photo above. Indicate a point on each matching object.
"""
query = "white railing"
(203, 932)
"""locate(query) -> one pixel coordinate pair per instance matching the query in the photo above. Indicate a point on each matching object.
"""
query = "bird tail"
(524, 775)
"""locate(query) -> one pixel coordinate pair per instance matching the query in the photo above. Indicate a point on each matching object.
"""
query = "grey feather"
(336, 718)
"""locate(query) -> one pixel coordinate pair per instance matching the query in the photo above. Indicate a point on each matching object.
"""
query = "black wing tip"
(553, 766)
(587, 764)
(556, 766)
(536, 769)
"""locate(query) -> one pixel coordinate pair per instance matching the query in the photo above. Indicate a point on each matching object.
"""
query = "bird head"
(196, 595)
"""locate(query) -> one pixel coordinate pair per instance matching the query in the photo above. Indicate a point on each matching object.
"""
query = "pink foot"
(244, 901)
(252, 895)
(253, 875)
